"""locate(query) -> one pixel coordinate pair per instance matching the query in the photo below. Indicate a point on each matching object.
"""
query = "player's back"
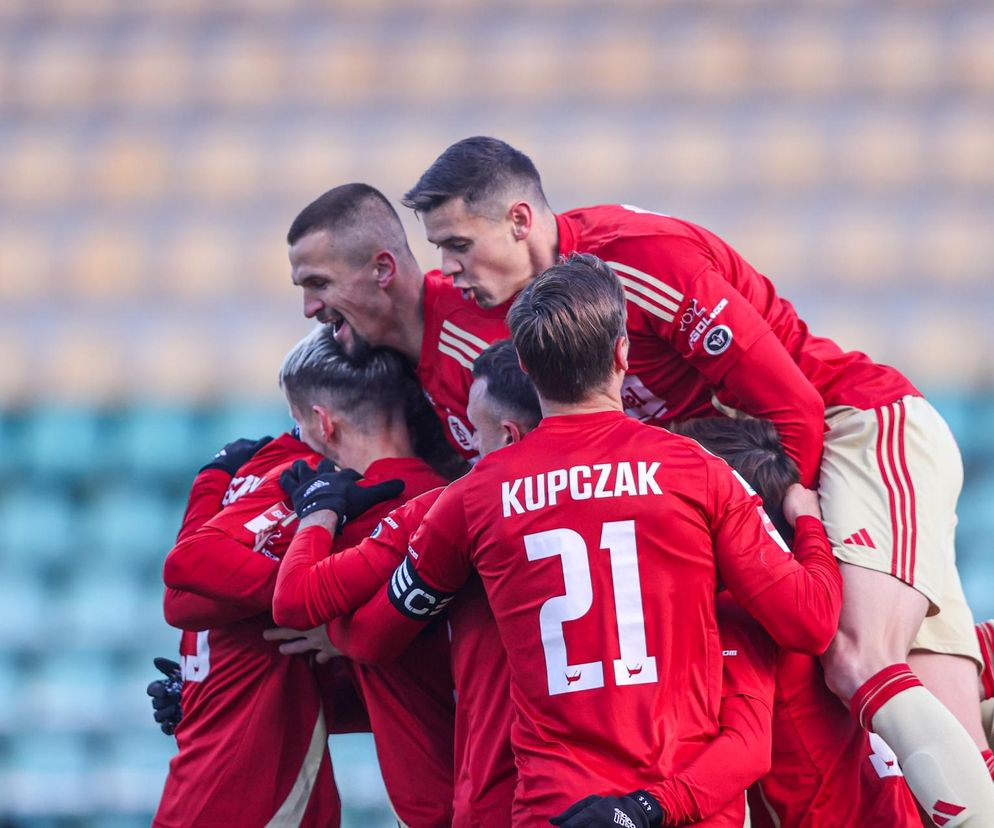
(827, 771)
(593, 541)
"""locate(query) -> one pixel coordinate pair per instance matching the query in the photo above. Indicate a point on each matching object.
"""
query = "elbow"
(176, 615)
(288, 611)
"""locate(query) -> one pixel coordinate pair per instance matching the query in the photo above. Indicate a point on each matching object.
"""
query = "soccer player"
(827, 771)
(702, 322)
(253, 738)
(596, 539)
(349, 254)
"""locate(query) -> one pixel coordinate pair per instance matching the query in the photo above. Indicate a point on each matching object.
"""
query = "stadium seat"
(129, 167)
(152, 69)
(248, 420)
(125, 527)
(25, 265)
(804, 57)
(45, 774)
(24, 610)
(38, 169)
(86, 364)
(71, 690)
(101, 607)
(38, 532)
(159, 440)
(63, 442)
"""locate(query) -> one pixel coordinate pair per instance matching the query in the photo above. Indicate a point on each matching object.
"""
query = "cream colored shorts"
(890, 479)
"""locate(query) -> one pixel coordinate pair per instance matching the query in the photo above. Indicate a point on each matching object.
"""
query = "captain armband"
(413, 597)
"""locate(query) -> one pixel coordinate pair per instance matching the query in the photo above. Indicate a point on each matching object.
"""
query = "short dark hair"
(370, 388)
(360, 216)
(475, 169)
(507, 384)
(752, 447)
(565, 325)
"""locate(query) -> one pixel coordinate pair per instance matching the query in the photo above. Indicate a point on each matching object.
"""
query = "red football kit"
(716, 779)
(456, 331)
(631, 582)
(228, 568)
(245, 756)
(701, 320)
(827, 771)
(485, 773)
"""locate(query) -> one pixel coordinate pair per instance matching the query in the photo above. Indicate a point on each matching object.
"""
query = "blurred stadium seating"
(152, 156)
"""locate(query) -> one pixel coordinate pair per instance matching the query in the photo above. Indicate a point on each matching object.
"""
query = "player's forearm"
(376, 633)
(211, 564)
(738, 756)
(206, 496)
(297, 598)
(189, 611)
(768, 384)
(801, 610)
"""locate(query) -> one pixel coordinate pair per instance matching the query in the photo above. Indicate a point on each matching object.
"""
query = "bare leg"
(953, 681)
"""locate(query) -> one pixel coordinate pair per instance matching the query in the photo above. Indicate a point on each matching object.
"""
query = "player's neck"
(594, 404)
(544, 243)
(366, 449)
(408, 302)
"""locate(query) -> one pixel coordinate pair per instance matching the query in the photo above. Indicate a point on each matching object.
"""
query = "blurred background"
(153, 154)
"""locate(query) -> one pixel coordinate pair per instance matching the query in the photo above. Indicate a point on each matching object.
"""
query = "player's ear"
(621, 353)
(385, 265)
(521, 216)
(326, 422)
(513, 432)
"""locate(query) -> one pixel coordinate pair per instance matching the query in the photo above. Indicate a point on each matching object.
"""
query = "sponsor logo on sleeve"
(462, 434)
(239, 487)
(718, 340)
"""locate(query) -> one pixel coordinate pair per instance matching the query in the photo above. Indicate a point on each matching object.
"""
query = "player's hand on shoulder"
(800, 502)
(639, 809)
(166, 695)
(236, 454)
(338, 490)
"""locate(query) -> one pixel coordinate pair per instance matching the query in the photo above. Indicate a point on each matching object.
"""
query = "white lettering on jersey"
(529, 494)
(197, 667)
(640, 402)
(462, 432)
(239, 487)
(883, 759)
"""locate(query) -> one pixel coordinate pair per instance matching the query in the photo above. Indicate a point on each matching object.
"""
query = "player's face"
(485, 418)
(484, 256)
(338, 294)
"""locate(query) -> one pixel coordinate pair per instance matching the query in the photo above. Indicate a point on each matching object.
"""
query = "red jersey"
(485, 773)
(589, 600)
(230, 769)
(456, 331)
(717, 778)
(827, 771)
(234, 558)
(701, 320)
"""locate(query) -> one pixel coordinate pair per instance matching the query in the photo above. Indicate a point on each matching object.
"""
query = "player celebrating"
(827, 771)
(250, 713)
(702, 321)
(529, 520)
(349, 254)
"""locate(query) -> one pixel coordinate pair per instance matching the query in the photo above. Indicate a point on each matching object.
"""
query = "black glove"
(166, 695)
(236, 454)
(639, 809)
(326, 488)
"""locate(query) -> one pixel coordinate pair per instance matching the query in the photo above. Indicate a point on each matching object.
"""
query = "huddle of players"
(513, 560)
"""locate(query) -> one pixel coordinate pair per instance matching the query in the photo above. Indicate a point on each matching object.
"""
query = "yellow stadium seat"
(618, 65)
(221, 166)
(179, 364)
(695, 156)
(971, 58)
(251, 366)
(26, 266)
(862, 248)
(39, 168)
(108, 263)
(966, 150)
(884, 152)
(954, 248)
(773, 244)
(151, 71)
(432, 70)
(61, 72)
(129, 167)
(903, 57)
(200, 263)
(520, 69)
(804, 57)
(18, 369)
(790, 154)
(336, 71)
(245, 70)
(87, 363)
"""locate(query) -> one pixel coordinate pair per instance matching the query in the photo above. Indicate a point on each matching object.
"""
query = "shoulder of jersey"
(282, 451)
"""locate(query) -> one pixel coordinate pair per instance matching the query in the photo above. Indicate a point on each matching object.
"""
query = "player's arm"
(797, 598)
(677, 290)
(741, 752)
(420, 588)
(190, 611)
(311, 587)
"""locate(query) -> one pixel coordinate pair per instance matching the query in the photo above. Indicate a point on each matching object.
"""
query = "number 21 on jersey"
(635, 666)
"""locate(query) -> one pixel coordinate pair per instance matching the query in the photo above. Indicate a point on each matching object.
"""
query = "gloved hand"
(327, 488)
(166, 694)
(236, 454)
(639, 809)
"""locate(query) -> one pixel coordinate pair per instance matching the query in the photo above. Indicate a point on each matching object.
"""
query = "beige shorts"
(890, 479)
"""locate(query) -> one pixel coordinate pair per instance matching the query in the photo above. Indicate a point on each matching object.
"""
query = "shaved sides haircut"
(480, 171)
(360, 220)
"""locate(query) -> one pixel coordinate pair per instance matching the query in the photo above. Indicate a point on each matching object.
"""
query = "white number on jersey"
(634, 666)
(197, 667)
